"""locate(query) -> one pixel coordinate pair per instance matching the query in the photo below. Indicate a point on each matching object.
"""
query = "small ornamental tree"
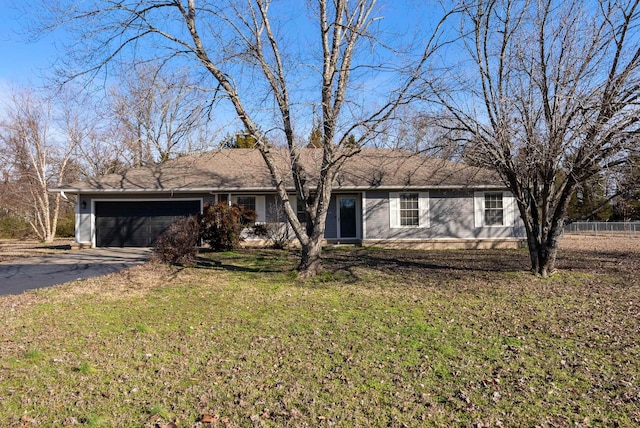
(221, 225)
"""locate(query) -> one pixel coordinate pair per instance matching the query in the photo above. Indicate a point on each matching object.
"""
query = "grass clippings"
(382, 338)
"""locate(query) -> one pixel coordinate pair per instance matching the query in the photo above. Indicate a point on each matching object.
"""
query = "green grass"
(86, 368)
(33, 354)
(382, 338)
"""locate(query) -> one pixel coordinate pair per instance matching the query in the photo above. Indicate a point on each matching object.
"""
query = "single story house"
(381, 197)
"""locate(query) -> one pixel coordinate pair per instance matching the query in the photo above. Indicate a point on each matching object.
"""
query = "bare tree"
(158, 115)
(97, 150)
(626, 204)
(100, 152)
(552, 101)
(248, 57)
(36, 159)
(430, 133)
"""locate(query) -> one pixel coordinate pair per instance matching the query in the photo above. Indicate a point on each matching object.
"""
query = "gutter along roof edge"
(271, 189)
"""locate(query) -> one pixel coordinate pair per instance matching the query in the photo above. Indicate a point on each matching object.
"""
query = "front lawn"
(383, 338)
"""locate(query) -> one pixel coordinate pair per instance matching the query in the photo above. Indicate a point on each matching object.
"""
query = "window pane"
(248, 202)
(493, 209)
(409, 212)
(494, 217)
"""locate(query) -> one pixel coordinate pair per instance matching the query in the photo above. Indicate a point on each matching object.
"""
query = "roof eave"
(175, 190)
(78, 191)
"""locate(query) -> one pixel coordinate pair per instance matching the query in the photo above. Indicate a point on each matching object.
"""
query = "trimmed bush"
(179, 243)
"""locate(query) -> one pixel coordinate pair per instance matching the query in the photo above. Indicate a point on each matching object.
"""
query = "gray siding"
(83, 220)
(275, 214)
(331, 226)
(451, 215)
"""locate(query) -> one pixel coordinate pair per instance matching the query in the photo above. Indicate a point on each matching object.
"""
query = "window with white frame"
(493, 209)
(247, 202)
(251, 202)
(408, 209)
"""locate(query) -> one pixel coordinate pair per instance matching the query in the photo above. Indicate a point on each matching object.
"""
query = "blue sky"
(24, 61)
(21, 62)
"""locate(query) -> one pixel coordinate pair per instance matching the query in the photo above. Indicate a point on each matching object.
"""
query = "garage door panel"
(113, 237)
(138, 224)
(156, 227)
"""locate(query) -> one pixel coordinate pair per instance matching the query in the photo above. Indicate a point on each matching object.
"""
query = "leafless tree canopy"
(36, 147)
(432, 133)
(157, 116)
(551, 99)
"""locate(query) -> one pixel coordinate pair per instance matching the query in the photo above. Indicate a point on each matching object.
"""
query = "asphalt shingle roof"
(244, 169)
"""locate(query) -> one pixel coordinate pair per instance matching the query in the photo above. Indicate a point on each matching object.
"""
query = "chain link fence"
(603, 227)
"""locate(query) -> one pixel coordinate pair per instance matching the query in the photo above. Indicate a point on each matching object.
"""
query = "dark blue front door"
(347, 212)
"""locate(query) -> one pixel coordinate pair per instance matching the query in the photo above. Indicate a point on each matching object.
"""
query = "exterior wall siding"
(84, 220)
(451, 215)
(331, 226)
(275, 215)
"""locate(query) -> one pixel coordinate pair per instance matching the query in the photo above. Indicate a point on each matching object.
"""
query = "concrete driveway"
(28, 273)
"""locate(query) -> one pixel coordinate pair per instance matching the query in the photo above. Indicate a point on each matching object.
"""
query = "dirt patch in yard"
(605, 255)
(610, 243)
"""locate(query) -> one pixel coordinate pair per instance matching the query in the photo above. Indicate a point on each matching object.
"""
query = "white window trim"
(261, 207)
(423, 208)
(365, 215)
(508, 207)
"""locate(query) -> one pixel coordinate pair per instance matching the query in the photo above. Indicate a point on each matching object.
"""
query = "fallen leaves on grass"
(385, 338)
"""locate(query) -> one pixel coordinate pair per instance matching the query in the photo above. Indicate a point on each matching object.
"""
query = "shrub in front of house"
(221, 225)
(276, 234)
(179, 243)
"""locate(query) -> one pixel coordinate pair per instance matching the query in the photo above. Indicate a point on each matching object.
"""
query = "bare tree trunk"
(543, 254)
(543, 239)
(310, 260)
(39, 160)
